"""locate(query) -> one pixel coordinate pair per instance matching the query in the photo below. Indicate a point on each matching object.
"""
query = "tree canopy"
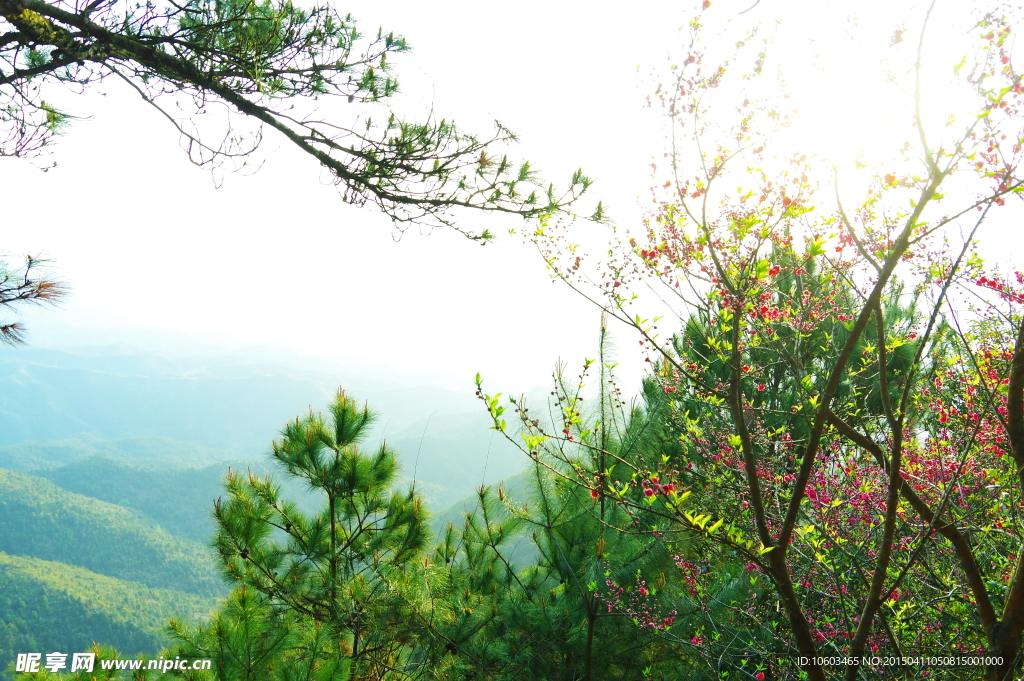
(846, 377)
(266, 64)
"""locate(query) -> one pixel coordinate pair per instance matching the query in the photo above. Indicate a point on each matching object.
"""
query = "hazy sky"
(276, 258)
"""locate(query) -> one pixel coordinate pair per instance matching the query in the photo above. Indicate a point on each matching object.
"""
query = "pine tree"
(28, 285)
(619, 584)
(334, 576)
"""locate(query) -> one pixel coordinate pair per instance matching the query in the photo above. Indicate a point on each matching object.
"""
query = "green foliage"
(44, 521)
(49, 606)
(519, 591)
(498, 610)
(250, 640)
(857, 445)
(541, 576)
(176, 500)
(179, 501)
(31, 284)
(643, 594)
(342, 567)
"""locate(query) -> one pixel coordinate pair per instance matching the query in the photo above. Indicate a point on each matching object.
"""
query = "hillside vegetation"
(47, 606)
(179, 501)
(41, 520)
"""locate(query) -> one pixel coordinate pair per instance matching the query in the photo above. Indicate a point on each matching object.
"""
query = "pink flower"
(669, 389)
(643, 591)
(759, 676)
(594, 493)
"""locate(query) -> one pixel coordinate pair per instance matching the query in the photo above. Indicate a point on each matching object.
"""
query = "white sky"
(277, 259)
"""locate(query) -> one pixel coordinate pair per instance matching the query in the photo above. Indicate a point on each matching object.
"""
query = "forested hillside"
(41, 520)
(179, 501)
(47, 606)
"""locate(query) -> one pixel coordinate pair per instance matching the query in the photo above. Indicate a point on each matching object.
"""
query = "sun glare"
(851, 82)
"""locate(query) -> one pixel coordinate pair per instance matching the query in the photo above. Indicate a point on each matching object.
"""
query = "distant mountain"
(149, 452)
(48, 606)
(41, 520)
(50, 395)
(455, 454)
(232, 407)
(179, 501)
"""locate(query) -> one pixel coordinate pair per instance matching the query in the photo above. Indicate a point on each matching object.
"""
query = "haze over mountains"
(58, 405)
